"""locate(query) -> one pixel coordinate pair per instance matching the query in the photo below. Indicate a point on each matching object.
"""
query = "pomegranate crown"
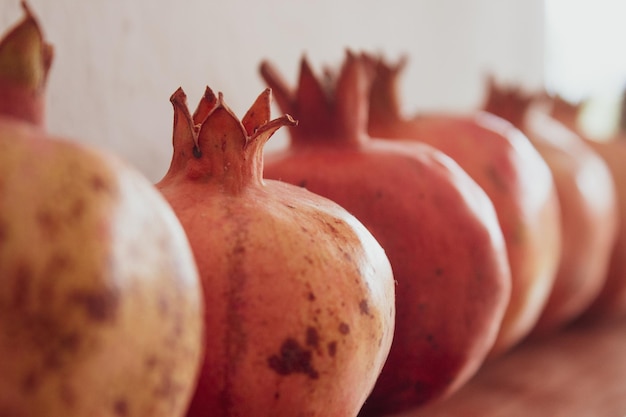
(214, 143)
(25, 58)
(384, 97)
(333, 107)
(509, 102)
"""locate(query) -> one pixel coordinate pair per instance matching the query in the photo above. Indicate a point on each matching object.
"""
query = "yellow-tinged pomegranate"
(299, 295)
(100, 302)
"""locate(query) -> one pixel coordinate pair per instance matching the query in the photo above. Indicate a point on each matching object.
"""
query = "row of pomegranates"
(371, 267)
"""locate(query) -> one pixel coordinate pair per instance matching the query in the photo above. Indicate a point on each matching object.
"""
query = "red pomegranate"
(299, 295)
(587, 200)
(504, 163)
(100, 306)
(437, 226)
(611, 302)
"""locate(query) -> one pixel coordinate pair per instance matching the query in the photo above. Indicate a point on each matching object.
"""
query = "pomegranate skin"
(100, 312)
(501, 159)
(611, 302)
(587, 200)
(437, 226)
(299, 295)
(99, 292)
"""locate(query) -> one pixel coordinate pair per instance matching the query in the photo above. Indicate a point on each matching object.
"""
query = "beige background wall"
(118, 61)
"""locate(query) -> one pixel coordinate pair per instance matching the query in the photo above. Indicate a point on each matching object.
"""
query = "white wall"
(118, 61)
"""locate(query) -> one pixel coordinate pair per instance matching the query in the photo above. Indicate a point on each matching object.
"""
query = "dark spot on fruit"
(276, 395)
(312, 337)
(3, 232)
(292, 359)
(56, 265)
(70, 342)
(100, 306)
(31, 382)
(166, 387)
(308, 259)
(497, 180)
(431, 341)
(302, 183)
(151, 362)
(439, 271)
(163, 306)
(344, 328)
(99, 184)
(378, 194)
(197, 153)
(49, 224)
(23, 278)
(120, 407)
(311, 296)
(364, 307)
(332, 348)
(78, 209)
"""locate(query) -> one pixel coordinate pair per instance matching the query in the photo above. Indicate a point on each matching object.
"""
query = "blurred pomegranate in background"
(504, 163)
(588, 202)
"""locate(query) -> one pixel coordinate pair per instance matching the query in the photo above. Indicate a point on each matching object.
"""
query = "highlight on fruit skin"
(299, 294)
(100, 311)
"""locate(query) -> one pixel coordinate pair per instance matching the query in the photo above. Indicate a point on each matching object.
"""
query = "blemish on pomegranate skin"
(120, 407)
(23, 278)
(312, 337)
(292, 359)
(151, 362)
(302, 183)
(30, 382)
(4, 232)
(332, 348)
(364, 307)
(311, 296)
(78, 209)
(49, 224)
(99, 184)
(344, 328)
(100, 306)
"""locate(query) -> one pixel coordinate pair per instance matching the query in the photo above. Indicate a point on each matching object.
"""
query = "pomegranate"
(515, 177)
(612, 299)
(437, 226)
(587, 200)
(299, 295)
(100, 312)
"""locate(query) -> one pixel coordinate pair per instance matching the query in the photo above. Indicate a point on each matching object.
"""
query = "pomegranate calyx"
(332, 108)
(25, 58)
(214, 143)
(384, 100)
(508, 102)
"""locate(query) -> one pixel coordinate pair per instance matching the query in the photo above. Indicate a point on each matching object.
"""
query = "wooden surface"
(580, 372)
